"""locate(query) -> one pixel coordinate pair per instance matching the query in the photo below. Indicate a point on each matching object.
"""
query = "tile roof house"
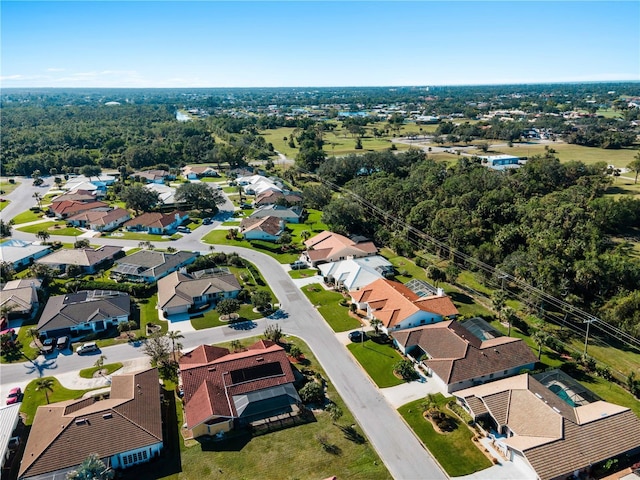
(155, 176)
(69, 208)
(270, 197)
(123, 430)
(83, 312)
(77, 195)
(398, 307)
(267, 228)
(150, 266)
(198, 171)
(459, 359)
(550, 435)
(355, 273)
(257, 184)
(20, 253)
(89, 259)
(20, 296)
(222, 389)
(100, 220)
(288, 214)
(157, 223)
(178, 292)
(332, 247)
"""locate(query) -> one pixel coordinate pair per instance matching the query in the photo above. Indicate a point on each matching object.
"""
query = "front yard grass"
(378, 360)
(32, 399)
(289, 453)
(7, 187)
(3, 203)
(110, 368)
(145, 237)
(219, 237)
(53, 228)
(455, 451)
(27, 216)
(327, 303)
(303, 273)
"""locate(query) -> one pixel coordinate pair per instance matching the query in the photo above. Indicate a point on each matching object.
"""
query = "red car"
(14, 396)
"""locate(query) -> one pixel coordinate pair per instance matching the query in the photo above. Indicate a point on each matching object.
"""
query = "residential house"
(223, 390)
(157, 223)
(69, 208)
(461, 357)
(288, 214)
(501, 162)
(124, 429)
(332, 247)
(90, 260)
(85, 186)
(198, 171)
(398, 307)
(149, 266)
(9, 420)
(21, 253)
(84, 312)
(550, 425)
(98, 184)
(20, 297)
(268, 228)
(258, 184)
(355, 273)
(271, 197)
(180, 292)
(76, 196)
(155, 176)
(100, 220)
(166, 194)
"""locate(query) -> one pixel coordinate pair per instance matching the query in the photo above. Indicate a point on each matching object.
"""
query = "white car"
(87, 348)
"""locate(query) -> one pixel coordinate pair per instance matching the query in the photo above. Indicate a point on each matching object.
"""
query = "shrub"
(405, 369)
(312, 392)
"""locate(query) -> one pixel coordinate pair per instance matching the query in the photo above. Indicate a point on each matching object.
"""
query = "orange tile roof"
(328, 245)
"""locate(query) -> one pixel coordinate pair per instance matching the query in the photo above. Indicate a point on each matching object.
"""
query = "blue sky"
(330, 43)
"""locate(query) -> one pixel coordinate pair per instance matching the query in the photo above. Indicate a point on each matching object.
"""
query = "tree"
(634, 166)
(405, 369)
(91, 171)
(376, 324)
(305, 235)
(37, 181)
(91, 468)
(540, 338)
(139, 198)
(5, 228)
(127, 327)
(82, 243)
(295, 351)
(316, 196)
(146, 245)
(174, 335)
(273, 333)
(312, 392)
(200, 196)
(43, 235)
(45, 384)
(158, 348)
(228, 306)
(73, 271)
(35, 334)
(6, 272)
(236, 345)
(100, 362)
(38, 198)
(499, 300)
(44, 272)
(261, 299)
(436, 274)
(335, 412)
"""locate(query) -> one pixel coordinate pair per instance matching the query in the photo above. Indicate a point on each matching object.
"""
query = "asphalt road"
(395, 442)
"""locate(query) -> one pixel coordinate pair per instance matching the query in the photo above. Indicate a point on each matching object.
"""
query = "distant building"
(332, 247)
(155, 176)
(157, 223)
(199, 171)
(288, 214)
(268, 228)
(501, 162)
(355, 273)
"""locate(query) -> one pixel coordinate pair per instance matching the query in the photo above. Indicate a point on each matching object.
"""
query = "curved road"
(403, 454)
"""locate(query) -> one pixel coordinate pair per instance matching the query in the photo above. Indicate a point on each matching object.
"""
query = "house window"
(491, 375)
(144, 454)
(135, 457)
(124, 460)
(130, 458)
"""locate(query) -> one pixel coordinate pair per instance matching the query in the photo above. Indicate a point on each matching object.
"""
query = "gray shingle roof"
(149, 263)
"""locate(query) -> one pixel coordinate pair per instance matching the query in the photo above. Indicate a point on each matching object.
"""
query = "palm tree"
(43, 235)
(45, 384)
(35, 334)
(38, 198)
(634, 166)
(100, 362)
(305, 234)
(540, 338)
(173, 336)
(91, 468)
(236, 345)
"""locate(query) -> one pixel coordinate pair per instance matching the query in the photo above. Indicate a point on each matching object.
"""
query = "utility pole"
(586, 338)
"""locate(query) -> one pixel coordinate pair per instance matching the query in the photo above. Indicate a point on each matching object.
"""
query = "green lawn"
(33, 399)
(3, 204)
(378, 361)
(212, 318)
(303, 273)
(285, 454)
(327, 303)
(53, 228)
(7, 187)
(27, 216)
(110, 368)
(144, 237)
(455, 451)
(611, 392)
(218, 237)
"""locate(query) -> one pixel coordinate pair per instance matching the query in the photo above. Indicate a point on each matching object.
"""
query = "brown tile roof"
(154, 219)
(208, 388)
(556, 438)
(64, 434)
(100, 217)
(393, 302)
(85, 257)
(271, 225)
(77, 195)
(327, 245)
(69, 207)
(180, 289)
(270, 197)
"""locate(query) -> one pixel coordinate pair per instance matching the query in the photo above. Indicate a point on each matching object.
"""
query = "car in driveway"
(15, 394)
(357, 336)
(62, 343)
(207, 221)
(87, 348)
(48, 346)
(184, 229)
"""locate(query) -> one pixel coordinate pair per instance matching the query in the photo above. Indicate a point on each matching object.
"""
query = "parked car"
(207, 221)
(62, 343)
(297, 265)
(48, 345)
(87, 348)
(357, 336)
(184, 229)
(246, 206)
(14, 396)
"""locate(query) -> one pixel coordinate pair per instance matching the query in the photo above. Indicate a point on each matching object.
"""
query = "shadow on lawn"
(459, 297)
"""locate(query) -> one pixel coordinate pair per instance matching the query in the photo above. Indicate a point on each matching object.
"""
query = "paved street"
(401, 451)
